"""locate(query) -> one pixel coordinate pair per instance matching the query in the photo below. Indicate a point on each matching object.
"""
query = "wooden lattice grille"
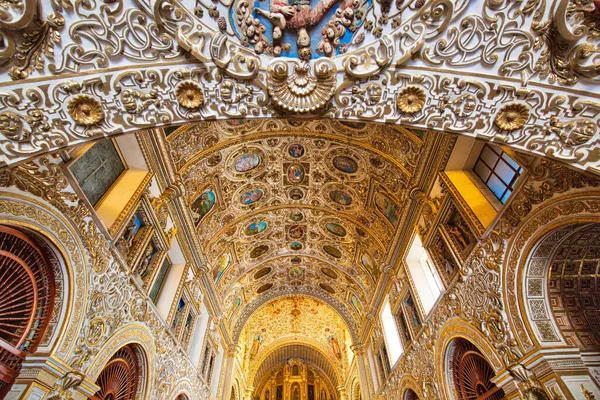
(26, 301)
(119, 377)
(472, 374)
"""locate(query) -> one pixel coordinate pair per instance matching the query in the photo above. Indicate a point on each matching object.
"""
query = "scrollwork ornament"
(512, 117)
(572, 133)
(189, 95)
(85, 110)
(411, 100)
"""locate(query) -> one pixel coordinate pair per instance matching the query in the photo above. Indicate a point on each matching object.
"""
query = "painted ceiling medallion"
(246, 162)
(85, 110)
(341, 197)
(296, 232)
(329, 273)
(262, 273)
(202, 205)
(296, 194)
(332, 251)
(327, 288)
(251, 196)
(295, 173)
(189, 95)
(259, 251)
(411, 100)
(264, 288)
(336, 229)
(296, 272)
(345, 164)
(512, 116)
(296, 216)
(296, 260)
(255, 228)
(301, 91)
(296, 246)
(296, 150)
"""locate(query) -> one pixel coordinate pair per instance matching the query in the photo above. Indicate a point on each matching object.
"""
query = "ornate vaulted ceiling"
(296, 205)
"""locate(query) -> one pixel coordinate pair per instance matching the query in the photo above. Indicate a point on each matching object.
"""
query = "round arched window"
(472, 374)
(119, 377)
(26, 301)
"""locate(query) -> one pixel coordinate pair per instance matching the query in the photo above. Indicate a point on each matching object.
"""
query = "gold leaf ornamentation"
(512, 116)
(189, 95)
(301, 91)
(85, 110)
(411, 100)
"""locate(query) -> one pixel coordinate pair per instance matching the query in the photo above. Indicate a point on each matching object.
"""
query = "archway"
(410, 394)
(561, 288)
(26, 301)
(468, 373)
(122, 376)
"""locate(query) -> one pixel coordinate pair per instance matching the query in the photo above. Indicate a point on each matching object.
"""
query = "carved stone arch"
(561, 212)
(355, 389)
(284, 342)
(297, 291)
(182, 390)
(68, 257)
(136, 334)
(456, 328)
(408, 382)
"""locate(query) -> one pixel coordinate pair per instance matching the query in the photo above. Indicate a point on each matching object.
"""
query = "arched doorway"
(27, 290)
(470, 373)
(410, 394)
(562, 287)
(120, 377)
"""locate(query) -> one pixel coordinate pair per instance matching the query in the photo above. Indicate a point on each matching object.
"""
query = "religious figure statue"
(297, 15)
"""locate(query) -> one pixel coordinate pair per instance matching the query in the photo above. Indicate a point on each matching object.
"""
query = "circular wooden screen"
(472, 374)
(26, 301)
(119, 377)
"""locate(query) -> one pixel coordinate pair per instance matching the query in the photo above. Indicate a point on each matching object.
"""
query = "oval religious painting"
(264, 288)
(296, 246)
(296, 194)
(296, 272)
(262, 272)
(296, 150)
(202, 205)
(345, 164)
(296, 260)
(336, 229)
(341, 197)
(259, 251)
(255, 228)
(246, 162)
(296, 216)
(368, 263)
(329, 272)
(222, 264)
(388, 208)
(251, 196)
(327, 288)
(332, 251)
(296, 232)
(295, 173)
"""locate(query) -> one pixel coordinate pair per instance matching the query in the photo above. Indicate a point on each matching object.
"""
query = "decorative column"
(342, 392)
(363, 376)
(249, 392)
(232, 351)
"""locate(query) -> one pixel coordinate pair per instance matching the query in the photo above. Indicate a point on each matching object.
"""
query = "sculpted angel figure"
(297, 15)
